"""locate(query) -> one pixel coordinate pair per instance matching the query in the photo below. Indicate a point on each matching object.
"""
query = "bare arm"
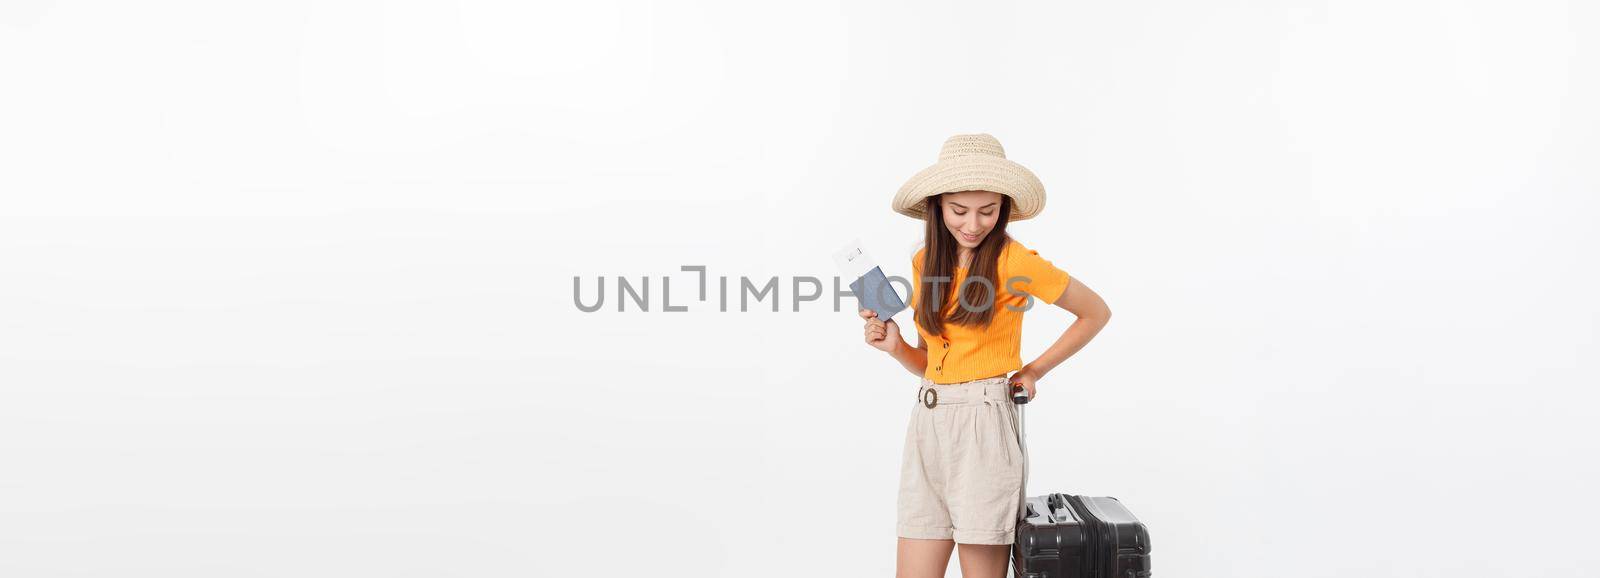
(885, 336)
(1092, 314)
(914, 359)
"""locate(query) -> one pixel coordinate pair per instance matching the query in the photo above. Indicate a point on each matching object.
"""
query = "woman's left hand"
(1027, 380)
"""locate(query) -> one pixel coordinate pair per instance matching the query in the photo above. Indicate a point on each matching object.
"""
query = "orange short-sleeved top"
(965, 353)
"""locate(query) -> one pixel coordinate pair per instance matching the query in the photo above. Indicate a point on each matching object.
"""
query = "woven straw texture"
(973, 162)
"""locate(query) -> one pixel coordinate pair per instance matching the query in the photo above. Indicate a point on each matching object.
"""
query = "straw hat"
(973, 162)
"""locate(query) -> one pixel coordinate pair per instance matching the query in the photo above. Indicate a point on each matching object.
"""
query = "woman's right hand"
(883, 335)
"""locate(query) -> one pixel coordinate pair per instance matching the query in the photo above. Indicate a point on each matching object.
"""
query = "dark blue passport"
(873, 291)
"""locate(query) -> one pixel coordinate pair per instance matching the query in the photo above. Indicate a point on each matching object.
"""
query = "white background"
(286, 289)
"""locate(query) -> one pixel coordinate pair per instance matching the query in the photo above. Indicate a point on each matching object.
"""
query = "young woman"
(962, 470)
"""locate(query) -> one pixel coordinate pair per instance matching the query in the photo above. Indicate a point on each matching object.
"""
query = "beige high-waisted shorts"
(961, 474)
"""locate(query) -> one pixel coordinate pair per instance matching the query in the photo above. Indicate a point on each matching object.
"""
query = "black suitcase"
(1068, 536)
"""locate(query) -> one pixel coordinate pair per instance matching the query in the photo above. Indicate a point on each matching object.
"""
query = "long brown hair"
(939, 257)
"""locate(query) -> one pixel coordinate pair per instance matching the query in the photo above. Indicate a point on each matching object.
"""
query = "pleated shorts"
(961, 472)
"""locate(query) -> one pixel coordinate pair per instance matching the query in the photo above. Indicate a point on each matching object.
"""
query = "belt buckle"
(930, 397)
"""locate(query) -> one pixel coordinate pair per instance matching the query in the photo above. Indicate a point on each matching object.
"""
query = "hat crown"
(972, 162)
(966, 145)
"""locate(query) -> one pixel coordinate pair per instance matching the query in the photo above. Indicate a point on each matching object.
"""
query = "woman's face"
(970, 215)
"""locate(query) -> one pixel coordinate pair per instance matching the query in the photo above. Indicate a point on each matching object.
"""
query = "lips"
(969, 237)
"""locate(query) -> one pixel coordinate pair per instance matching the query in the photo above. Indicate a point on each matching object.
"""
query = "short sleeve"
(1028, 272)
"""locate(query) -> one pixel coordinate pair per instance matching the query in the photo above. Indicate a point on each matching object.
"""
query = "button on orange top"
(971, 352)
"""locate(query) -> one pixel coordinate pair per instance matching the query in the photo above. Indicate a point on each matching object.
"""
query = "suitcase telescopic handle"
(1019, 395)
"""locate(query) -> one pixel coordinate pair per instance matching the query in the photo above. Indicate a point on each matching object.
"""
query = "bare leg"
(922, 558)
(985, 560)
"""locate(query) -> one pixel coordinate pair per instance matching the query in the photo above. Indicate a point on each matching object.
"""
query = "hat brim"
(973, 173)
